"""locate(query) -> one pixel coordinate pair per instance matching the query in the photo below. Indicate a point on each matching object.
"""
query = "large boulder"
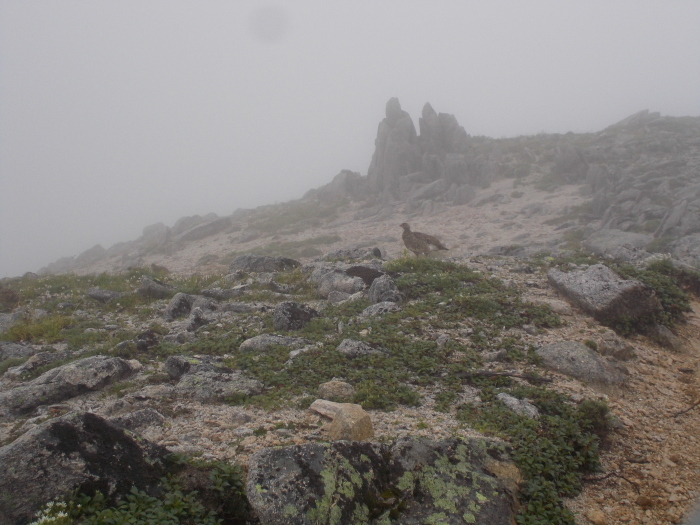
(77, 452)
(292, 316)
(606, 296)
(577, 360)
(249, 262)
(67, 381)
(412, 481)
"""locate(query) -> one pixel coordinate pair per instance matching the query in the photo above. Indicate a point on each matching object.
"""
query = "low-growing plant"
(552, 452)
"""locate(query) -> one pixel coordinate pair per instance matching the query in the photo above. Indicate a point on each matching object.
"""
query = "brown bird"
(420, 243)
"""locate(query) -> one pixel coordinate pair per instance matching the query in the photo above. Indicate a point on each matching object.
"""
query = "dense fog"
(117, 115)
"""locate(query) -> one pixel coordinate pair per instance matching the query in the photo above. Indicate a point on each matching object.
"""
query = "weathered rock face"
(604, 295)
(383, 289)
(67, 381)
(411, 481)
(577, 360)
(396, 150)
(261, 263)
(292, 316)
(76, 451)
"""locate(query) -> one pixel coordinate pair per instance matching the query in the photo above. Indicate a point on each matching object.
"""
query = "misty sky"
(116, 115)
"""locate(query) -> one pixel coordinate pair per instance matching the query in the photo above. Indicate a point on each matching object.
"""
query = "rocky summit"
(294, 363)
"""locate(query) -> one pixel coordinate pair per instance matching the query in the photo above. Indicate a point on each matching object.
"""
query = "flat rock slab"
(67, 381)
(412, 482)
(261, 263)
(577, 360)
(604, 295)
(79, 451)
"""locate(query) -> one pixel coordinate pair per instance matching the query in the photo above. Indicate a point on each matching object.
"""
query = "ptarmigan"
(420, 243)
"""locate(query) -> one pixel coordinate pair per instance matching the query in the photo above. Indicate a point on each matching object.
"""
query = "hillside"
(544, 369)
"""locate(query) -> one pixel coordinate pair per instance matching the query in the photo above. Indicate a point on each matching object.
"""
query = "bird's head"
(405, 226)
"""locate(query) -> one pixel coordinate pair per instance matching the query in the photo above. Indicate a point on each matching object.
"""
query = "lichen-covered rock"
(382, 308)
(264, 342)
(154, 289)
(290, 315)
(577, 360)
(79, 451)
(605, 295)
(519, 406)
(412, 482)
(336, 390)
(249, 262)
(138, 419)
(212, 384)
(67, 381)
(353, 348)
(339, 281)
(383, 289)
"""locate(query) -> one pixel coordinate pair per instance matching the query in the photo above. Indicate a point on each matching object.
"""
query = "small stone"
(336, 390)
(351, 423)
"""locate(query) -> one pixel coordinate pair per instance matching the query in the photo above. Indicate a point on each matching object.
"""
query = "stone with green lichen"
(412, 481)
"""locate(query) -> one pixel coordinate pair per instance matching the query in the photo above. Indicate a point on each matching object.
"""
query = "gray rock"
(569, 163)
(154, 289)
(397, 152)
(577, 360)
(77, 452)
(222, 294)
(209, 384)
(290, 315)
(261, 263)
(666, 338)
(382, 308)
(145, 340)
(337, 297)
(35, 361)
(15, 350)
(339, 281)
(176, 366)
(611, 345)
(103, 296)
(687, 249)
(603, 294)
(179, 305)
(196, 320)
(67, 381)
(263, 342)
(461, 481)
(383, 290)
(519, 406)
(353, 348)
(138, 419)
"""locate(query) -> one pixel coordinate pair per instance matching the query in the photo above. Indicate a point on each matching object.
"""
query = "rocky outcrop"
(79, 451)
(396, 150)
(577, 360)
(412, 481)
(67, 381)
(606, 296)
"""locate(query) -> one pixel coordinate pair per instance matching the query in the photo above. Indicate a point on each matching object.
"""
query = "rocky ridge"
(225, 363)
